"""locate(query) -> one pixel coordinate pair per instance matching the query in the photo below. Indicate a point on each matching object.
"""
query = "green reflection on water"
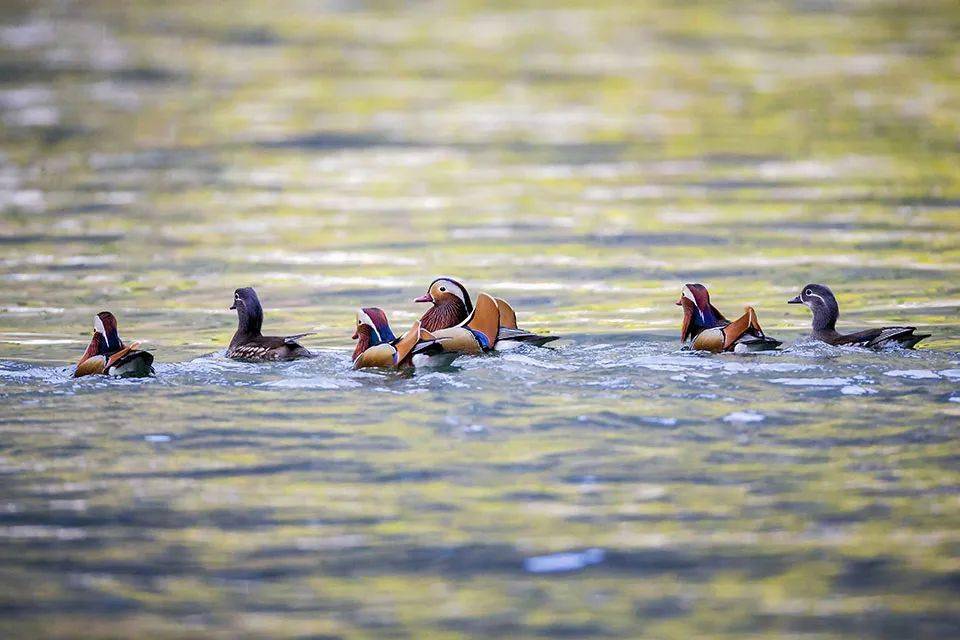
(583, 160)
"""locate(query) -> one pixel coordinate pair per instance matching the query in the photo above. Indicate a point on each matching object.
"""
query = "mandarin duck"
(711, 331)
(378, 347)
(451, 306)
(107, 355)
(476, 334)
(249, 344)
(821, 301)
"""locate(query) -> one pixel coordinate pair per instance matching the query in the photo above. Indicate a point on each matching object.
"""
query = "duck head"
(822, 303)
(698, 313)
(372, 329)
(249, 310)
(451, 304)
(106, 338)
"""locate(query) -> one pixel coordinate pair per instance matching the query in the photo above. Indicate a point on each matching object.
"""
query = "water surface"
(581, 160)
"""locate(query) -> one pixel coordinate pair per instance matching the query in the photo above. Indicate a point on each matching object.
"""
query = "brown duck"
(251, 345)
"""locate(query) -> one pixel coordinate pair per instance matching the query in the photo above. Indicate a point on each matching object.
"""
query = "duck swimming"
(477, 333)
(107, 355)
(249, 344)
(451, 306)
(711, 331)
(823, 304)
(378, 347)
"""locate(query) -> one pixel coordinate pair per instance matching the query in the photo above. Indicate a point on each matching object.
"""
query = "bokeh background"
(583, 160)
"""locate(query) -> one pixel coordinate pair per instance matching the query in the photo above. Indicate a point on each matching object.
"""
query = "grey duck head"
(822, 303)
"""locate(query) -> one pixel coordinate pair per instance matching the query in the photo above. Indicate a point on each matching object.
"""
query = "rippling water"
(583, 161)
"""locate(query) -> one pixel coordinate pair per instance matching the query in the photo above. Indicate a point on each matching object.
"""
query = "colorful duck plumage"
(107, 355)
(823, 304)
(709, 330)
(451, 306)
(251, 345)
(378, 347)
(477, 333)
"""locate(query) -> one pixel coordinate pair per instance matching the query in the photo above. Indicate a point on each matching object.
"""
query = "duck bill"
(424, 298)
(233, 306)
(356, 334)
(795, 300)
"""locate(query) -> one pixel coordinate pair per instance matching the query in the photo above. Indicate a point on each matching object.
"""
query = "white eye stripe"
(451, 287)
(364, 318)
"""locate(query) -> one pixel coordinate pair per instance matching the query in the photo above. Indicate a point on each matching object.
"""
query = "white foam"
(913, 374)
(744, 417)
(856, 390)
(813, 382)
(570, 561)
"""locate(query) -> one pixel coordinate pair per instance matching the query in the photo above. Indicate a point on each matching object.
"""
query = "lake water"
(583, 161)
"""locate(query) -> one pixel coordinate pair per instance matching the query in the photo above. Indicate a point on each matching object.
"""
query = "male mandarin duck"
(249, 344)
(378, 347)
(821, 301)
(711, 331)
(477, 333)
(107, 355)
(451, 306)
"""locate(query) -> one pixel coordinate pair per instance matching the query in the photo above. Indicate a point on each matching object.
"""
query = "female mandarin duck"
(821, 301)
(249, 344)
(711, 331)
(107, 354)
(452, 306)
(378, 347)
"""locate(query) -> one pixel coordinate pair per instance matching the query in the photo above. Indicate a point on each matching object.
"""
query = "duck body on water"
(823, 304)
(251, 345)
(710, 331)
(107, 355)
(454, 326)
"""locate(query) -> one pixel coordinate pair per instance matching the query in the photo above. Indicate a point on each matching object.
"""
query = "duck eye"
(443, 288)
(808, 292)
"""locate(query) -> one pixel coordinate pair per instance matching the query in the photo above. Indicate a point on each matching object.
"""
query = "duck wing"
(133, 364)
(484, 322)
(749, 343)
(526, 337)
(268, 348)
(903, 336)
(292, 340)
(508, 317)
(407, 342)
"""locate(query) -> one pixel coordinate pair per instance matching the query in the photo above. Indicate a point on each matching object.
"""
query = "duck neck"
(363, 342)
(824, 319)
(443, 315)
(249, 323)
